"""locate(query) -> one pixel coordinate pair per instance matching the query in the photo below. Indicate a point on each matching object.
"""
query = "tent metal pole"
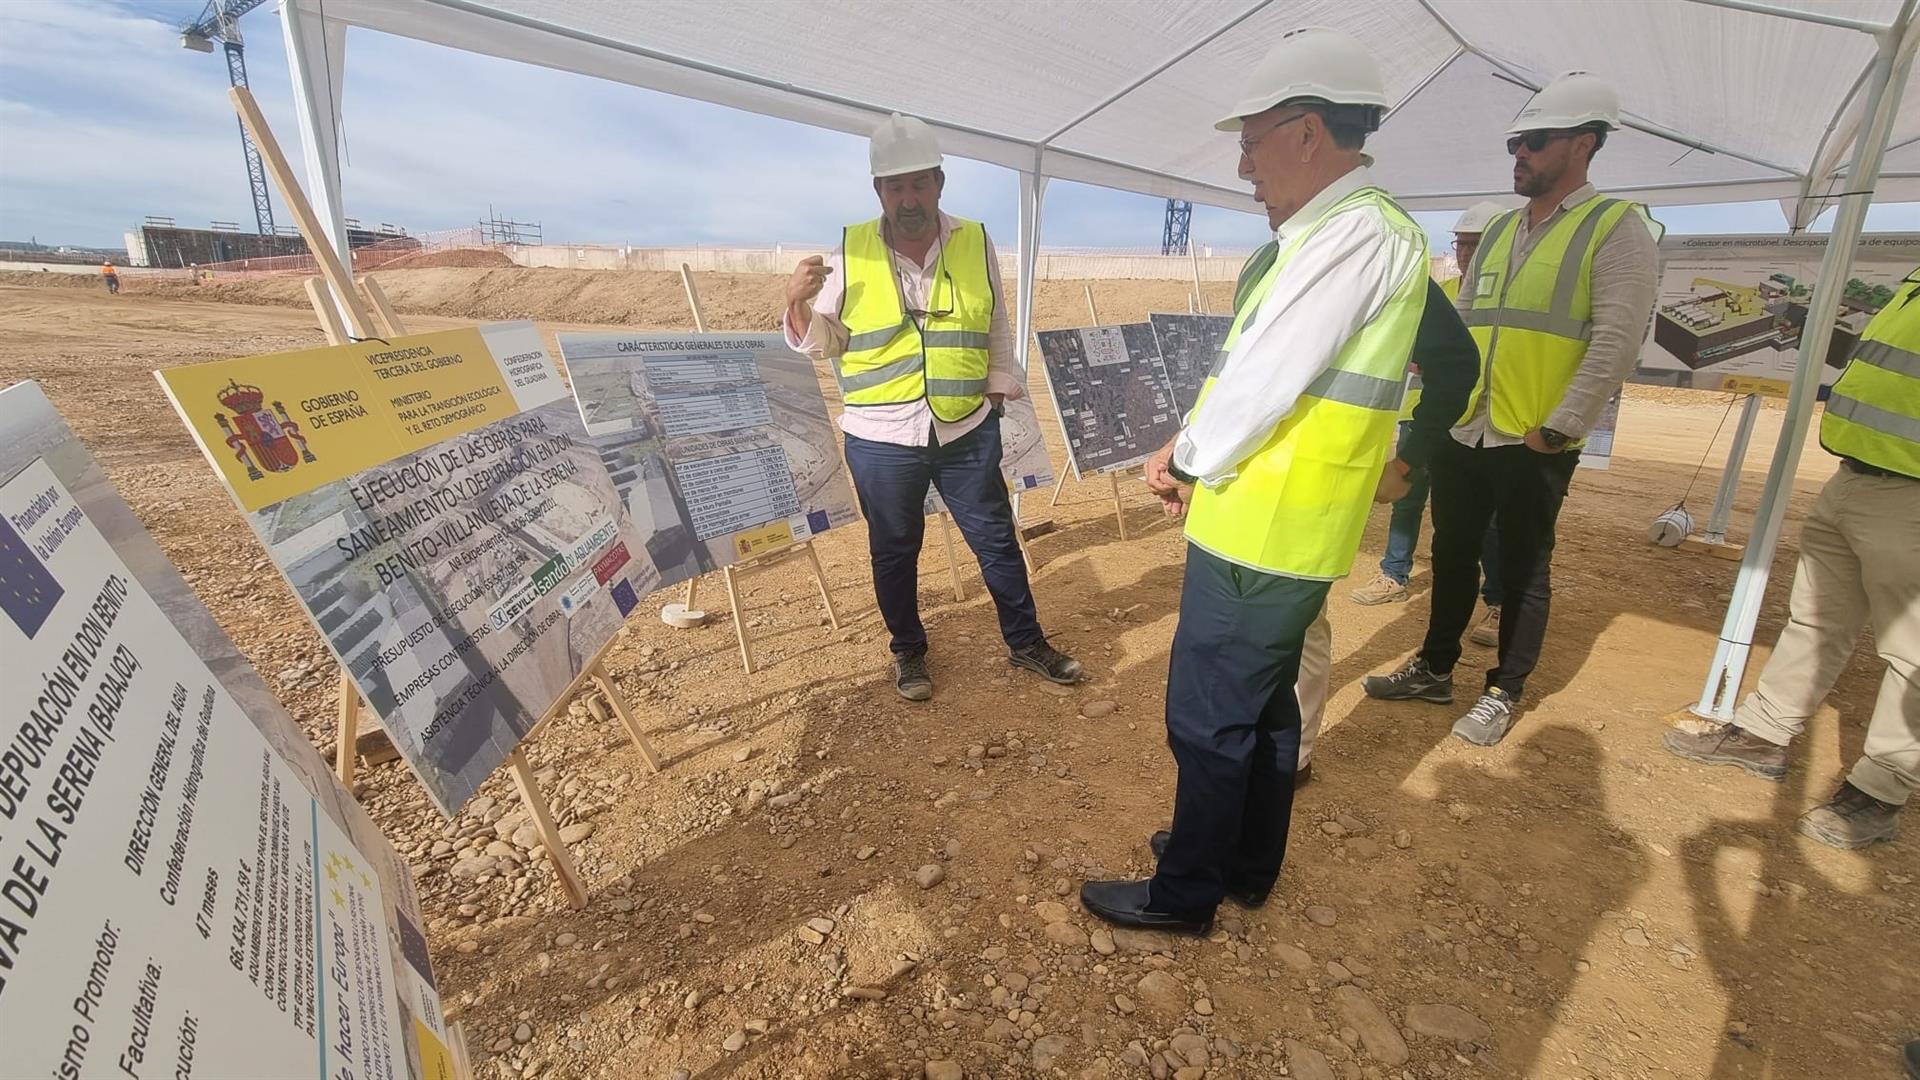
(1033, 190)
(1458, 52)
(1722, 686)
(1730, 477)
(316, 56)
(1824, 19)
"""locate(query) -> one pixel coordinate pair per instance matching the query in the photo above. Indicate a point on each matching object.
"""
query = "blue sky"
(104, 119)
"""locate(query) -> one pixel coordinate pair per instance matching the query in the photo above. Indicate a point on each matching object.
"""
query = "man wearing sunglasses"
(909, 313)
(1558, 296)
(1275, 471)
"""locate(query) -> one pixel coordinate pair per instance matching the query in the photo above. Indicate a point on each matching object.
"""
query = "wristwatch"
(1555, 439)
(1181, 475)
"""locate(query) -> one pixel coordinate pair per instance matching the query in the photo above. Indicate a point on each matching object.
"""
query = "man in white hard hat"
(1558, 296)
(1389, 586)
(908, 311)
(1275, 469)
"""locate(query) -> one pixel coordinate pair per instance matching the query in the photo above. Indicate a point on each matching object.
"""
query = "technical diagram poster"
(184, 899)
(437, 507)
(719, 444)
(1731, 308)
(1189, 346)
(1023, 452)
(1116, 405)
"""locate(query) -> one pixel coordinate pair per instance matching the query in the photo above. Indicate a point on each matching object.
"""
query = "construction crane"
(221, 22)
(1173, 238)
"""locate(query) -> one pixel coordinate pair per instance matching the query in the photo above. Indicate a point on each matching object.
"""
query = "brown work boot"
(1729, 744)
(1487, 631)
(1851, 819)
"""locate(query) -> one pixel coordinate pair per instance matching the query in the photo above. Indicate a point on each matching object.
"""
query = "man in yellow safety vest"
(1275, 470)
(908, 311)
(1558, 297)
(1857, 568)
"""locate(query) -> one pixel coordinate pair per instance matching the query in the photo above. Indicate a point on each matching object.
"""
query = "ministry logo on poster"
(27, 591)
(264, 439)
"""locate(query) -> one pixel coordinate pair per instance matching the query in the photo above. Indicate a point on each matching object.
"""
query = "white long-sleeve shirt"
(1337, 282)
(909, 423)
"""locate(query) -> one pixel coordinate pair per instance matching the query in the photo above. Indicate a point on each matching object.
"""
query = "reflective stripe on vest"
(889, 358)
(1873, 414)
(1298, 505)
(1532, 324)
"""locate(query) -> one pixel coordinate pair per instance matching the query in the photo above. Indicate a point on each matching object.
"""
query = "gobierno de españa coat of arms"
(265, 439)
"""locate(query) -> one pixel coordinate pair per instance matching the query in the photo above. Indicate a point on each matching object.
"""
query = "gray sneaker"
(1851, 819)
(910, 676)
(1487, 722)
(1414, 680)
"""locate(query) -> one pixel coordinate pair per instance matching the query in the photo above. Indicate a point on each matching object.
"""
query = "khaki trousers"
(1859, 566)
(1316, 670)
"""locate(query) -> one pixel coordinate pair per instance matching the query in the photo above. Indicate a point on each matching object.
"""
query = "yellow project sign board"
(282, 425)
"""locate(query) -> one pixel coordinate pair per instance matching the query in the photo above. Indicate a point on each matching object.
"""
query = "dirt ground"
(1574, 903)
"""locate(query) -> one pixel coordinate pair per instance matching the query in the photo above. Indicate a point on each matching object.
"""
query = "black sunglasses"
(951, 294)
(1537, 141)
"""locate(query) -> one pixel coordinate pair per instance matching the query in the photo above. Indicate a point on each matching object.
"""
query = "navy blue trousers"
(1233, 723)
(892, 481)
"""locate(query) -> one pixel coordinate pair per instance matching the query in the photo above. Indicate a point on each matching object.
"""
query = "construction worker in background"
(112, 277)
(1857, 568)
(1557, 295)
(908, 311)
(1274, 471)
(1389, 586)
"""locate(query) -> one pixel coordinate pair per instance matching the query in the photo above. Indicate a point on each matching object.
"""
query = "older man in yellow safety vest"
(908, 311)
(1858, 567)
(1558, 297)
(1275, 470)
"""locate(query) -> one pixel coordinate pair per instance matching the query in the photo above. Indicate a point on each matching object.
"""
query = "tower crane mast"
(220, 21)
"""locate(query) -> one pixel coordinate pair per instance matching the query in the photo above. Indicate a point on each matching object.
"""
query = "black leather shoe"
(1911, 1055)
(1124, 903)
(1239, 894)
(1047, 662)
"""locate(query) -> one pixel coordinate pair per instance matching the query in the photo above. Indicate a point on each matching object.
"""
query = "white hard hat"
(1313, 62)
(1475, 219)
(902, 144)
(1570, 101)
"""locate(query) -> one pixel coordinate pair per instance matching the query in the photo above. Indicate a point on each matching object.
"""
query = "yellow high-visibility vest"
(1532, 325)
(890, 357)
(1873, 414)
(1300, 502)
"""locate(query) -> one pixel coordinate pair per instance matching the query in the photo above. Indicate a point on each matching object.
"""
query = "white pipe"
(316, 58)
(1842, 21)
(1730, 477)
(1743, 608)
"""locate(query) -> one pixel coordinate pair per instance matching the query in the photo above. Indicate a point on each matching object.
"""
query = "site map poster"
(1731, 309)
(719, 444)
(188, 893)
(1189, 347)
(436, 505)
(1116, 403)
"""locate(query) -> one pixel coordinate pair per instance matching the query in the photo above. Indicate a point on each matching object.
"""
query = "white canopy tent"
(1725, 100)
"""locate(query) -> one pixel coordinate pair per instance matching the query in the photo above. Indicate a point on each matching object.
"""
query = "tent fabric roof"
(1729, 104)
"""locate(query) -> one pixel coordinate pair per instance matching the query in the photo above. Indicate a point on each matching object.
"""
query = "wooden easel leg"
(604, 682)
(349, 729)
(1057, 485)
(693, 588)
(739, 620)
(1119, 508)
(1019, 534)
(953, 564)
(820, 579)
(543, 823)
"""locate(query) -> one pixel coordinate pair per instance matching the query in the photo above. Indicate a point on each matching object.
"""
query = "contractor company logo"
(261, 439)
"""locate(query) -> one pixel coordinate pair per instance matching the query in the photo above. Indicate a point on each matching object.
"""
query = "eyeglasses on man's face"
(1536, 141)
(1247, 145)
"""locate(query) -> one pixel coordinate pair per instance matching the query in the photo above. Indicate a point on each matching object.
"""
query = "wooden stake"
(330, 323)
(1057, 485)
(739, 621)
(820, 579)
(383, 313)
(1193, 256)
(604, 682)
(693, 298)
(953, 564)
(1019, 534)
(457, 1049)
(349, 733)
(537, 809)
(359, 320)
(1092, 312)
(693, 588)
(1119, 508)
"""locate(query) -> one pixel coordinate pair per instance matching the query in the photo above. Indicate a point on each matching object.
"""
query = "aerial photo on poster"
(1731, 308)
(439, 510)
(1189, 346)
(189, 893)
(1116, 404)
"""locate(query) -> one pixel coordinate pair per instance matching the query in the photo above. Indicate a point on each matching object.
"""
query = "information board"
(1023, 452)
(718, 443)
(1189, 347)
(1116, 405)
(190, 893)
(437, 507)
(1731, 309)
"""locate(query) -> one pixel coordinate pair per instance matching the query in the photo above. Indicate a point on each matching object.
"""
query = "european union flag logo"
(27, 591)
